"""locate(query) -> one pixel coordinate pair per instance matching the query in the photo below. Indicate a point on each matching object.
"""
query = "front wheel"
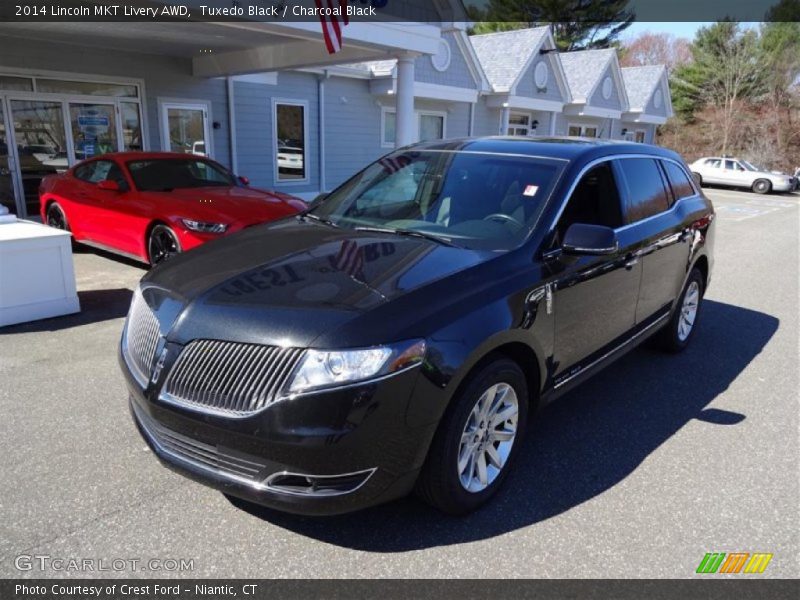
(56, 217)
(477, 439)
(162, 244)
(762, 186)
(677, 334)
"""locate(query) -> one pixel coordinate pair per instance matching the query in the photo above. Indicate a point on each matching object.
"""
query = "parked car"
(342, 358)
(739, 173)
(290, 160)
(152, 205)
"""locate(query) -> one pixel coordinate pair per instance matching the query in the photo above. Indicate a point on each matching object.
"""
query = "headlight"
(332, 368)
(204, 227)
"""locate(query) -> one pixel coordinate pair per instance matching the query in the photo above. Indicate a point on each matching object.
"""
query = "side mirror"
(594, 240)
(108, 185)
(244, 180)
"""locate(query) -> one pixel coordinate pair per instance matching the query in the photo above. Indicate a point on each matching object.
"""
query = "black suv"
(397, 334)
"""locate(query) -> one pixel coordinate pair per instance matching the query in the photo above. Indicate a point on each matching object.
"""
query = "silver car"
(739, 173)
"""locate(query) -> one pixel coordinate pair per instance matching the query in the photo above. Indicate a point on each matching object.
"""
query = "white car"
(736, 172)
(290, 159)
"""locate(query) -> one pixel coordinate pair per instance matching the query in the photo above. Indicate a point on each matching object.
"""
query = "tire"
(762, 186)
(56, 217)
(674, 337)
(442, 483)
(162, 244)
(698, 178)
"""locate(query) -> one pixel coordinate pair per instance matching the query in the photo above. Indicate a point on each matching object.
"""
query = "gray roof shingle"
(583, 70)
(504, 54)
(640, 82)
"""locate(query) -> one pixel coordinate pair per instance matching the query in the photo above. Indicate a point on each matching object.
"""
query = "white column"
(406, 123)
(504, 120)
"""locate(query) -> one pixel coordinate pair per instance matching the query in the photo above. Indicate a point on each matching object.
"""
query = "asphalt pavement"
(638, 473)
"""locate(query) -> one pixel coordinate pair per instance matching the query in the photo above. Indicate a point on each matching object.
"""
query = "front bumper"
(360, 429)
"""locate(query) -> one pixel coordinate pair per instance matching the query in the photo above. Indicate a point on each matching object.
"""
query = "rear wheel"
(762, 186)
(162, 244)
(56, 217)
(677, 334)
(477, 439)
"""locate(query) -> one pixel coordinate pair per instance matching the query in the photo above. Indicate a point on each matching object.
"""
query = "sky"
(685, 29)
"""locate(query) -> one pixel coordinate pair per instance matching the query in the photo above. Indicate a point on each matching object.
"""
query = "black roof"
(565, 148)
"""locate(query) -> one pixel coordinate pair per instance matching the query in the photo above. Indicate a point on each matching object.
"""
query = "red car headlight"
(203, 226)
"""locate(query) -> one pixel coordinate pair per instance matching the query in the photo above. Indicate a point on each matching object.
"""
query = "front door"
(41, 142)
(94, 129)
(594, 297)
(7, 196)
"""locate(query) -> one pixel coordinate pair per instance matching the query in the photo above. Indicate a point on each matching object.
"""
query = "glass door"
(6, 172)
(185, 127)
(41, 141)
(94, 130)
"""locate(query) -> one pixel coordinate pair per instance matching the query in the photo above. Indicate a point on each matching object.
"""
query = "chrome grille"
(141, 337)
(245, 467)
(228, 377)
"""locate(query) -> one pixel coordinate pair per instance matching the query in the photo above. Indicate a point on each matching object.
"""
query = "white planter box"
(37, 277)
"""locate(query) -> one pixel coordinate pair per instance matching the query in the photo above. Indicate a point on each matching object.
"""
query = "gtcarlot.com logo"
(45, 562)
(734, 562)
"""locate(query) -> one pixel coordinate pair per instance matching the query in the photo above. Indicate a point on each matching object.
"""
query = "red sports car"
(151, 205)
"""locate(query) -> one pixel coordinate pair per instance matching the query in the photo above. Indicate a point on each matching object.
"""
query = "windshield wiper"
(410, 233)
(308, 215)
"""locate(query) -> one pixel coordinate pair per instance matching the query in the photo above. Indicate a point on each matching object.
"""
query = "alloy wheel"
(163, 245)
(488, 437)
(691, 302)
(55, 218)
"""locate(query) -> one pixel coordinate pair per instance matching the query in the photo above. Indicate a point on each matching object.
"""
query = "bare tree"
(656, 49)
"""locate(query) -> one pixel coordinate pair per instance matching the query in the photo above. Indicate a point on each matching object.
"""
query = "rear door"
(652, 216)
(594, 297)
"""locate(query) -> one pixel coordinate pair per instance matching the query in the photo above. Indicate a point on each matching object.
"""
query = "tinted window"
(85, 171)
(681, 186)
(488, 201)
(645, 193)
(163, 175)
(714, 163)
(595, 201)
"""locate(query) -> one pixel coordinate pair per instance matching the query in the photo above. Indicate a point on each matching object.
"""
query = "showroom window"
(291, 141)
(184, 128)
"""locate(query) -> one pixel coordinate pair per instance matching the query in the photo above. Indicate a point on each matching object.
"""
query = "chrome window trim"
(602, 159)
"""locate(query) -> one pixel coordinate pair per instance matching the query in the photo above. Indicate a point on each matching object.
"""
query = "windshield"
(749, 166)
(474, 200)
(163, 175)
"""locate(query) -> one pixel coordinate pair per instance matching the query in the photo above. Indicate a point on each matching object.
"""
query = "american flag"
(350, 259)
(332, 25)
(393, 164)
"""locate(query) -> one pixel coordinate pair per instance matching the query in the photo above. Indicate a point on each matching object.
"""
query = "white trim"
(262, 78)
(166, 103)
(616, 74)
(474, 65)
(636, 117)
(387, 86)
(384, 111)
(584, 110)
(306, 154)
(523, 103)
(431, 113)
(231, 98)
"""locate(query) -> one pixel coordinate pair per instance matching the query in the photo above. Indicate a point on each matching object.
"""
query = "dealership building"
(268, 100)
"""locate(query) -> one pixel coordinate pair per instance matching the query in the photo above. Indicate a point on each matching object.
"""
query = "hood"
(229, 204)
(289, 282)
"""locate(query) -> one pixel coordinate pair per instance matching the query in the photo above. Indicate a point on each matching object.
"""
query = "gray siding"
(614, 102)
(651, 109)
(164, 77)
(487, 120)
(527, 84)
(456, 75)
(353, 129)
(255, 129)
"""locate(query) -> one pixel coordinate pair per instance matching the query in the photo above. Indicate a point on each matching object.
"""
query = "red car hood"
(229, 204)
